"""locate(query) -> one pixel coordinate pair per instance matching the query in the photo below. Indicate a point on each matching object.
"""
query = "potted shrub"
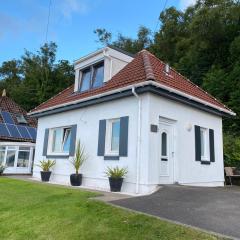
(2, 168)
(46, 165)
(76, 178)
(115, 176)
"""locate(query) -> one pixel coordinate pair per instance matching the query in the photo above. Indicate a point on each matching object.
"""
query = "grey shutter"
(197, 143)
(101, 137)
(211, 145)
(45, 143)
(73, 140)
(123, 142)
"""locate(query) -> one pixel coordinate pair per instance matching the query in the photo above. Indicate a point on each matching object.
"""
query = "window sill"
(111, 157)
(205, 162)
(57, 156)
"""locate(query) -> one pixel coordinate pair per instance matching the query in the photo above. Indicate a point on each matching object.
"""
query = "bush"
(231, 148)
(80, 158)
(116, 172)
(45, 165)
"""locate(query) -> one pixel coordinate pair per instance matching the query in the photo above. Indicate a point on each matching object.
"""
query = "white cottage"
(17, 137)
(135, 112)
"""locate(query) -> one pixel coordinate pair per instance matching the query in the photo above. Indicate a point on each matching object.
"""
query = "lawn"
(41, 211)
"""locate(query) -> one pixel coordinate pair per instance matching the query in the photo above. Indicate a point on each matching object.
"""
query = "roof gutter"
(129, 87)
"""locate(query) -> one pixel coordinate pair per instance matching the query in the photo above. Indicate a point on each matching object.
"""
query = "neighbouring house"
(135, 112)
(17, 137)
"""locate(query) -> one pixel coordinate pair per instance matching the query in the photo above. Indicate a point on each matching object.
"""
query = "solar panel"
(3, 130)
(7, 117)
(23, 131)
(13, 131)
(33, 132)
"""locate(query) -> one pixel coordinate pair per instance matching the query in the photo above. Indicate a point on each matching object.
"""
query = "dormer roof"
(144, 72)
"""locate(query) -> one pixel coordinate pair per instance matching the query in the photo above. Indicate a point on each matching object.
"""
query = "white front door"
(166, 156)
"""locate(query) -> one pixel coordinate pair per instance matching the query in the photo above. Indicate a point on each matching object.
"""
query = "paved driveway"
(213, 209)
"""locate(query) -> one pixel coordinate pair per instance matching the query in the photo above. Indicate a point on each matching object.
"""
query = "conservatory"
(17, 137)
(17, 158)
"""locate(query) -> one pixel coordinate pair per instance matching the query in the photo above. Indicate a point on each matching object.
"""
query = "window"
(113, 137)
(11, 153)
(21, 119)
(86, 80)
(2, 154)
(92, 77)
(23, 157)
(60, 140)
(98, 73)
(204, 143)
(164, 144)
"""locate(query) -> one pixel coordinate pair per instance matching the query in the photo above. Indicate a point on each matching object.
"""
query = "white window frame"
(16, 146)
(50, 141)
(205, 156)
(108, 141)
(26, 150)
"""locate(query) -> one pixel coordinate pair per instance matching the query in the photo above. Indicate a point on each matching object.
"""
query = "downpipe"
(138, 150)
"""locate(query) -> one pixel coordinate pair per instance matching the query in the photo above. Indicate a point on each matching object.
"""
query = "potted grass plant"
(46, 165)
(80, 158)
(2, 168)
(116, 176)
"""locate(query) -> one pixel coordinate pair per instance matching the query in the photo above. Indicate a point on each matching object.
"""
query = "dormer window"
(21, 119)
(92, 77)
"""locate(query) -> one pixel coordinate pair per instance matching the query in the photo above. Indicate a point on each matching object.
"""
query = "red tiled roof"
(145, 66)
(8, 105)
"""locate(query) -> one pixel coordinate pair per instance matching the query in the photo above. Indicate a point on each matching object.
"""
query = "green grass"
(41, 211)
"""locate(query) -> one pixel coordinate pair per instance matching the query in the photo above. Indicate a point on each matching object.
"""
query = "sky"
(23, 23)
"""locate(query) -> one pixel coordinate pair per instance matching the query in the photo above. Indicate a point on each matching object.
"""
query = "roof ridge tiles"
(147, 65)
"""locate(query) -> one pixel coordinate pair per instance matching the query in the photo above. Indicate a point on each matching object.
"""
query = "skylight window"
(21, 119)
(92, 77)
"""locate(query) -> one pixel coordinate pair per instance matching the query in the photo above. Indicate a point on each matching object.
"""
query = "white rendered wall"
(186, 169)
(87, 121)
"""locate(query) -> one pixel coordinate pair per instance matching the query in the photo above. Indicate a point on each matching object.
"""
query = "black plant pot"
(76, 179)
(115, 184)
(45, 176)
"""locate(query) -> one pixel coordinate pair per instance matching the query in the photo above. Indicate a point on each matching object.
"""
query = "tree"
(36, 77)
(128, 44)
(10, 75)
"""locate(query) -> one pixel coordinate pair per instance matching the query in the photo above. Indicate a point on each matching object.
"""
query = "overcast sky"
(23, 23)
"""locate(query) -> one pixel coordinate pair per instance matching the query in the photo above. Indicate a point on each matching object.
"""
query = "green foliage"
(116, 172)
(80, 157)
(43, 211)
(126, 43)
(36, 77)
(46, 165)
(231, 151)
(104, 36)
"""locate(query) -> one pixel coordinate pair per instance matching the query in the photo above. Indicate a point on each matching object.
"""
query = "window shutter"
(211, 145)
(197, 143)
(45, 143)
(73, 140)
(101, 137)
(123, 142)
